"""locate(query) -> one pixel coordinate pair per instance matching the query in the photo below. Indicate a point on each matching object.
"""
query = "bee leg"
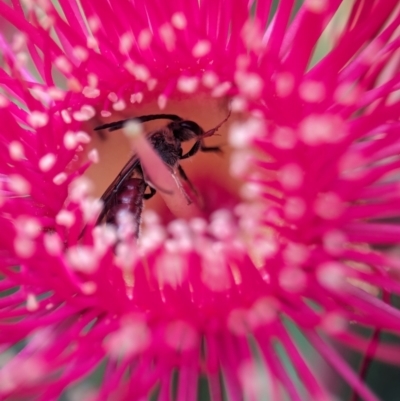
(200, 146)
(215, 149)
(195, 148)
(185, 178)
(151, 194)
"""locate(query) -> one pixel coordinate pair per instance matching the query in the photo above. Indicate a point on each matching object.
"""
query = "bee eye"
(187, 125)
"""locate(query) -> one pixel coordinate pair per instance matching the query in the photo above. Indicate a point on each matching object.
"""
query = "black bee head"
(186, 130)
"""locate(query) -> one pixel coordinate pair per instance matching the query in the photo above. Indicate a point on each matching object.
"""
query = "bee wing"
(116, 125)
(110, 194)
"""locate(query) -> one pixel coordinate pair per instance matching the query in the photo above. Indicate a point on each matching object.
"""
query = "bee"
(130, 188)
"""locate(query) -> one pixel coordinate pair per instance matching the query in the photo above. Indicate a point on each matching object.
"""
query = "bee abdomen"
(128, 201)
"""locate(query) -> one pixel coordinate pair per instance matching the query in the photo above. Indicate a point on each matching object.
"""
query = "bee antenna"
(112, 126)
(119, 124)
(212, 131)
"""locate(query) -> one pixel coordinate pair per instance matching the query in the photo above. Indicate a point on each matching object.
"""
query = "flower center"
(208, 172)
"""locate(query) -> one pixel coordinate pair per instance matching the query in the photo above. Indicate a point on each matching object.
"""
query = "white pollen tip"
(89, 288)
(69, 140)
(144, 39)
(37, 119)
(133, 129)
(112, 97)
(331, 275)
(4, 102)
(83, 137)
(316, 6)
(84, 114)
(65, 218)
(82, 258)
(93, 156)
(179, 21)
(19, 184)
(92, 42)
(201, 48)
(151, 84)
(53, 244)
(90, 93)
(284, 82)
(94, 23)
(242, 135)
(16, 150)
(93, 80)
(222, 89)
(136, 97)
(47, 162)
(80, 188)
(125, 43)
(66, 116)
(56, 93)
(119, 105)
(162, 102)
(60, 178)
(210, 79)
(188, 84)
(80, 53)
(32, 303)
(24, 247)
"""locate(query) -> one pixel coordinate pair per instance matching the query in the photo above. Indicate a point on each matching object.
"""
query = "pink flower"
(316, 108)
